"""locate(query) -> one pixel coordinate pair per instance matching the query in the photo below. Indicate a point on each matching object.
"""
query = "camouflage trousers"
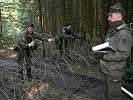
(24, 60)
(112, 87)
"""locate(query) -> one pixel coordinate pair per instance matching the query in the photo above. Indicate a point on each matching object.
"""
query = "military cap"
(116, 8)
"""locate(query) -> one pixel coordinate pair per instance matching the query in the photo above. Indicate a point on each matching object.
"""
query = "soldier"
(26, 45)
(113, 63)
(65, 34)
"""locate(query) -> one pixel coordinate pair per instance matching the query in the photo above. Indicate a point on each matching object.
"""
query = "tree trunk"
(40, 15)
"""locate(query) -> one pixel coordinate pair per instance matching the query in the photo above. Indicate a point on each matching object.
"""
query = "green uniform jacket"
(120, 38)
(26, 38)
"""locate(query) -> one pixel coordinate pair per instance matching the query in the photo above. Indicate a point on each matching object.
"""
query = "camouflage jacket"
(25, 38)
(119, 38)
(65, 33)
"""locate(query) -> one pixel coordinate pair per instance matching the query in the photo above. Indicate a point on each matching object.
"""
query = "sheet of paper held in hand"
(102, 48)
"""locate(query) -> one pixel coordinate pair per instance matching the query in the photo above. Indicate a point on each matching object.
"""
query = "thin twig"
(5, 94)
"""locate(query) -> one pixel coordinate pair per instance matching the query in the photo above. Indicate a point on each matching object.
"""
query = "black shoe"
(29, 76)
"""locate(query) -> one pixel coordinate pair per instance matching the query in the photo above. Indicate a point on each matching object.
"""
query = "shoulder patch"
(124, 41)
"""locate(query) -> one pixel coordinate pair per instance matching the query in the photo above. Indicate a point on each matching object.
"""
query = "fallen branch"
(5, 94)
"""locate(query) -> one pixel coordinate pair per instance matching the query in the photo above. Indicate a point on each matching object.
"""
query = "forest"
(75, 74)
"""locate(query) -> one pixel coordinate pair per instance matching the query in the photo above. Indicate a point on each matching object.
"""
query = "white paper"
(101, 46)
(50, 39)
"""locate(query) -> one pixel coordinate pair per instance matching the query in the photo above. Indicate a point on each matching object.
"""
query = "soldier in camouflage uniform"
(64, 36)
(26, 45)
(113, 63)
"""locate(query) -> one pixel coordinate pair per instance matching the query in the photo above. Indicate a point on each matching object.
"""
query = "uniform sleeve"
(124, 48)
(21, 41)
(62, 33)
(39, 37)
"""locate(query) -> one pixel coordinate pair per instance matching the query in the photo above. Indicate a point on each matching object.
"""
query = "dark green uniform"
(65, 35)
(113, 63)
(24, 51)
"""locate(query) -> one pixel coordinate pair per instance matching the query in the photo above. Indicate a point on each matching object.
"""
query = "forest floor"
(65, 81)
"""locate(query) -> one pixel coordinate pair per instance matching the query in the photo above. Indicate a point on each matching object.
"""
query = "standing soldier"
(26, 45)
(113, 63)
(65, 34)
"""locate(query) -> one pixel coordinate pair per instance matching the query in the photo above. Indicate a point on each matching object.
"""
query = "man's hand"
(31, 44)
(52, 39)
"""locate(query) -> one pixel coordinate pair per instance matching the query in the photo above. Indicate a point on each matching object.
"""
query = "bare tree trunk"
(0, 24)
(40, 15)
(100, 18)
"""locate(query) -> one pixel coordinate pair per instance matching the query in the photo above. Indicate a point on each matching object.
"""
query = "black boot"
(29, 75)
(20, 71)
